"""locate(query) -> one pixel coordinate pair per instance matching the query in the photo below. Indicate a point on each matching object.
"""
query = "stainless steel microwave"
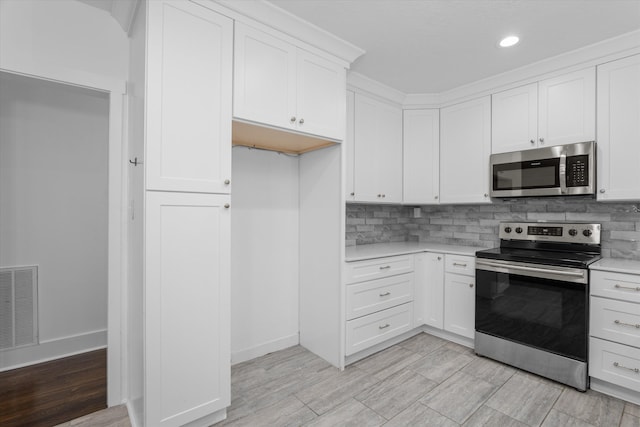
(561, 170)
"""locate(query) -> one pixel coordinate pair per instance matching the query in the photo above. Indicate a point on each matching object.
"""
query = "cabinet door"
(187, 269)
(459, 304)
(378, 151)
(567, 108)
(429, 291)
(320, 102)
(465, 146)
(349, 151)
(619, 129)
(514, 119)
(264, 84)
(189, 76)
(421, 151)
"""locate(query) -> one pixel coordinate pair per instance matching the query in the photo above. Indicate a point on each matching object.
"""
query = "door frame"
(117, 208)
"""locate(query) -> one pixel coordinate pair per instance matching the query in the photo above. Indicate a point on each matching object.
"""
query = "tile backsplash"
(477, 225)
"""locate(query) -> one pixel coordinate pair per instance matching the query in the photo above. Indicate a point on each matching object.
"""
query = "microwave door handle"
(563, 172)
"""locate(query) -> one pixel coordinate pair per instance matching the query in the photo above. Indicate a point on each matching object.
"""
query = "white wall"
(264, 253)
(64, 34)
(53, 207)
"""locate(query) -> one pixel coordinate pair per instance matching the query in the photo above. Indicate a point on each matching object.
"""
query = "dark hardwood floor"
(54, 392)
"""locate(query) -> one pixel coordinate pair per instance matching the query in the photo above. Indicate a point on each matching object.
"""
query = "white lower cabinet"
(187, 343)
(375, 328)
(429, 300)
(375, 295)
(460, 295)
(386, 297)
(614, 344)
(459, 304)
(615, 363)
(379, 298)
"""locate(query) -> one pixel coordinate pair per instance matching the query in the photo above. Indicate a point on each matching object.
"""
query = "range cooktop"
(559, 244)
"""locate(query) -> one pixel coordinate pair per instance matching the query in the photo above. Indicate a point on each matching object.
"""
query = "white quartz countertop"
(617, 265)
(381, 250)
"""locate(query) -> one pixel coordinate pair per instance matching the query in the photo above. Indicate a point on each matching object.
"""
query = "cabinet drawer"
(373, 329)
(460, 264)
(616, 321)
(616, 363)
(368, 297)
(615, 285)
(378, 268)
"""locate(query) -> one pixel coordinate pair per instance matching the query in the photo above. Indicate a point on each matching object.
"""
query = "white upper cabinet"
(320, 96)
(514, 119)
(377, 151)
(281, 85)
(619, 129)
(349, 142)
(567, 108)
(560, 110)
(189, 77)
(465, 145)
(264, 86)
(421, 151)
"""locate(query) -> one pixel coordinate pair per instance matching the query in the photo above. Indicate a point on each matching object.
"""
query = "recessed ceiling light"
(509, 41)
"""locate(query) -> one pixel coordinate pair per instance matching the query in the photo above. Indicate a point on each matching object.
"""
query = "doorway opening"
(54, 217)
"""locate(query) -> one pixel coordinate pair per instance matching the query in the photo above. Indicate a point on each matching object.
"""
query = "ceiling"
(430, 46)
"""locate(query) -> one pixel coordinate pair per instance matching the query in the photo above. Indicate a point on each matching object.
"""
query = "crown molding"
(595, 54)
(422, 100)
(587, 56)
(363, 84)
(278, 19)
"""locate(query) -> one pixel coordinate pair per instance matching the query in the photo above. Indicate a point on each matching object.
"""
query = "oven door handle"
(578, 276)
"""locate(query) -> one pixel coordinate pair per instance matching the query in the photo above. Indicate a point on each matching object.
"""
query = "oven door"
(536, 305)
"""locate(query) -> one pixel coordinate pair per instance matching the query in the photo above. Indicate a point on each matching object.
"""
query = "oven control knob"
(587, 233)
(518, 230)
(507, 230)
(573, 232)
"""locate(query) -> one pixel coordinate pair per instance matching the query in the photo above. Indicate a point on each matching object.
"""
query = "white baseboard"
(135, 412)
(615, 390)
(381, 346)
(264, 348)
(52, 349)
(464, 341)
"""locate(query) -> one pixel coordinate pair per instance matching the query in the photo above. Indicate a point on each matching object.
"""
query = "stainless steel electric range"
(532, 298)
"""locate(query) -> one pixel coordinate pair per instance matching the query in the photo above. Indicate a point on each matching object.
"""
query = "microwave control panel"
(577, 171)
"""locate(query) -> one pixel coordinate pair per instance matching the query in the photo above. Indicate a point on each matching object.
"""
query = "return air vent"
(18, 307)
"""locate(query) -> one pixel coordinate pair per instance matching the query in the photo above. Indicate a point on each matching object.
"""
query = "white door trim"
(117, 205)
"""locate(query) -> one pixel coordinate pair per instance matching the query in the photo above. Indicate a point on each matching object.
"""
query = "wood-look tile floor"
(423, 381)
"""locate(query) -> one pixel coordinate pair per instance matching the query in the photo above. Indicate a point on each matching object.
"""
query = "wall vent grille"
(18, 307)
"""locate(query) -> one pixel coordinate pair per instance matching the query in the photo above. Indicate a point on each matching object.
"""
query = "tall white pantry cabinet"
(187, 142)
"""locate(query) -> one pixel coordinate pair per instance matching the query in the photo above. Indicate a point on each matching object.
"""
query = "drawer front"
(373, 329)
(375, 295)
(616, 363)
(361, 271)
(617, 321)
(460, 264)
(620, 286)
